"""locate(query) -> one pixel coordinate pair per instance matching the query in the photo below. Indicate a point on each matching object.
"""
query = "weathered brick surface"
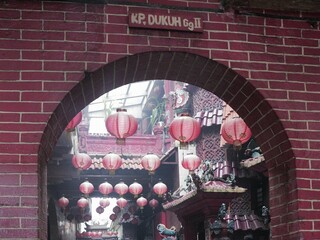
(267, 69)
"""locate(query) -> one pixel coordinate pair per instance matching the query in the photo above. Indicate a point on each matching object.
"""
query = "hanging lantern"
(121, 202)
(160, 188)
(105, 188)
(116, 210)
(121, 188)
(63, 202)
(150, 162)
(126, 216)
(86, 188)
(135, 189)
(235, 132)
(153, 203)
(87, 217)
(184, 129)
(141, 202)
(99, 209)
(82, 202)
(191, 162)
(104, 202)
(121, 125)
(113, 217)
(81, 161)
(74, 122)
(112, 162)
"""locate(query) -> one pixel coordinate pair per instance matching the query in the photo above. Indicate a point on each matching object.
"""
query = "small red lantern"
(191, 162)
(74, 122)
(113, 217)
(121, 188)
(135, 189)
(116, 209)
(87, 217)
(121, 202)
(104, 202)
(81, 161)
(99, 209)
(153, 203)
(105, 188)
(236, 132)
(126, 216)
(112, 162)
(86, 188)
(63, 202)
(184, 129)
(141, 202)
(121, 125)
(82, 202)
(150, 162)
(160, 188)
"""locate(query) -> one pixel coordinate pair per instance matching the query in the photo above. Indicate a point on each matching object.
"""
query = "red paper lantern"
(121, 125)
(153, 203)
(104, 202)
(160, 188)
(236, 132)
(82, 202)
(87, 217)
(105, 188)
(81, 161)
(191, 162)
(135, 189)
(99, 209)
(121, 202)
(74, 122)
(121, 188)
(184, 129)
(126, 216)
(86, 188)
(141, 202)
(63, 202)
(113, 217)
(112, 162)
(116, 209)
(150, 162)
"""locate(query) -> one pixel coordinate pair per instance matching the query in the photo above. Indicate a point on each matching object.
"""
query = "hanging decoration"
(86, 188)
(135, 188)
(82, 202)
(99, 209)
(112, 162)
(63, 202)
(81, 161)
(153, 203)
(121, 188)
(113, 217)
(116, 210)
(104, 202)
(141, 202)
(150, 162)
(236, 132)
(105, 188)
(122, 202)
(184, 129)
(160, 188)
(191, 162)
(121, 125)
(74, 122)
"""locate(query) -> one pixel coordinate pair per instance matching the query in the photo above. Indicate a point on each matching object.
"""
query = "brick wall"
(266, 68)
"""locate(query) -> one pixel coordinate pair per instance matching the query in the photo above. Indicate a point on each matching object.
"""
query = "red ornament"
(191, 162)
(121, 188)
(184, 129)
(116, 209)
(105, 188)
(150, 162)
(141, 202)
(87, 217)
(82, 202)
(160, 188)
(81, 161)
(126, 216)
(135, 189)
(236, 132)
(86, 188)
(63, 202)
(121, 125)
(104, 202)
(99, 209)
(112, 162)
(74, 122)
(113, 217)
(153, 203)
(121, 202)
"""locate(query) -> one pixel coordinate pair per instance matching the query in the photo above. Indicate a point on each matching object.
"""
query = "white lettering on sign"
(180, 22)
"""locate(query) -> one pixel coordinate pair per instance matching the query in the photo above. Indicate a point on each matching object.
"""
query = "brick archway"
(208, 74)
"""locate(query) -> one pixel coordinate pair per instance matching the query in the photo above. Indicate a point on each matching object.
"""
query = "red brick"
(10, 180)
(85, 37)
(302, 60)
(42, 96)
(20, 107)
(21, 24)
(9, 137)
(67, 46)
(20, 65)
(9, 158)
(64, 66)
(43, 35)
(20, 86)
(29, 180)
(42, 15)
(62, 6)
(9, 223)
(304, 96)
(9, 96)
(209, 44)
(284, 49)
(244, 46)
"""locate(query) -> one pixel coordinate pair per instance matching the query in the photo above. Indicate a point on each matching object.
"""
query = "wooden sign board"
(153, 19)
